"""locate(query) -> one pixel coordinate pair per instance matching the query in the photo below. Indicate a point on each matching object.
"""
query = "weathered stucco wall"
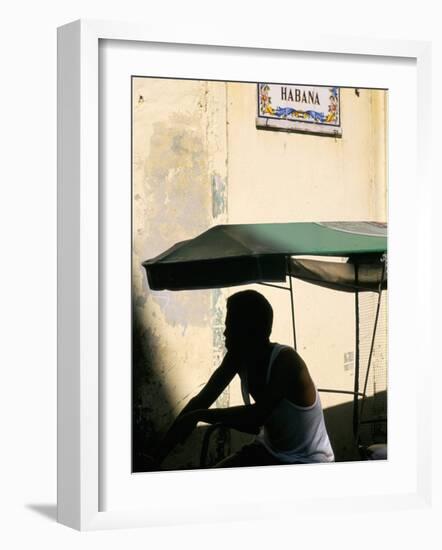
(199, 160)
(179, 190)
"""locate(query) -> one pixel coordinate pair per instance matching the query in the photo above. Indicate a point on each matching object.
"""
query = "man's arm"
(288, 373)
(244, 418)
(216, 384)
(184, 423)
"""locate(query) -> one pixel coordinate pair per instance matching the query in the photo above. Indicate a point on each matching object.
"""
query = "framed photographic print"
(188, 173)
(199, 157)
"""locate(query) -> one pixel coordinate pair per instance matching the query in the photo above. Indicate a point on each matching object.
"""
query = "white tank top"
(293, 433)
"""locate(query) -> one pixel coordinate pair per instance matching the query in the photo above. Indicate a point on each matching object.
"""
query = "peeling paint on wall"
(219, 196)
(177, 204)
(218, 325)
(219, 296)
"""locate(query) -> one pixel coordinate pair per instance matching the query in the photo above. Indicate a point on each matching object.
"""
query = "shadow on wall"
(149, 396)
(339, 422)
(153, 409)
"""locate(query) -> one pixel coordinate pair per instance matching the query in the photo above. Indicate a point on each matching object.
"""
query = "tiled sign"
(292, 107)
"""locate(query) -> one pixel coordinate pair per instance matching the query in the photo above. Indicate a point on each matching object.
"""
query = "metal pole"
(274, 286)
(291, 302)
(372, 345)
(356, 384)
(326, 390)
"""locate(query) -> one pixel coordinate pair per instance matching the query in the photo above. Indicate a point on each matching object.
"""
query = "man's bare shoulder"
(289, 359)
(291, 370)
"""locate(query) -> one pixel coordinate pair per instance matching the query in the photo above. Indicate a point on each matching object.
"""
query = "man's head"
(249, 320)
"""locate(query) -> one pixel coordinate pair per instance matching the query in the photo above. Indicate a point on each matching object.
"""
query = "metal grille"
(373, 426)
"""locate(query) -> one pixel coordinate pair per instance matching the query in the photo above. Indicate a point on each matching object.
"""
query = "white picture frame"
(79, 271)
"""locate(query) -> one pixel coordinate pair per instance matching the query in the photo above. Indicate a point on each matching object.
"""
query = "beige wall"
(199, 160)
(289, 176)
(281, 176)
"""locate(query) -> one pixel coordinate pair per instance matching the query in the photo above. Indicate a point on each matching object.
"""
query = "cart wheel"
(205, 444)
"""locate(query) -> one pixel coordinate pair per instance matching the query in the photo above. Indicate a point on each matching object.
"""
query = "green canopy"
(229, 255)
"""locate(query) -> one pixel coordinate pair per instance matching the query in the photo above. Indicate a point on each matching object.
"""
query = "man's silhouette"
(286, 415)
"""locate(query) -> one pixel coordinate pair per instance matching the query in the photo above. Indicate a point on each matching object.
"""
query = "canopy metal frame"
(358, 396)
(267, 254)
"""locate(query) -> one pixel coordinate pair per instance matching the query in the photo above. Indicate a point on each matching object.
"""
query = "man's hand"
(244, 418)
(185, 424)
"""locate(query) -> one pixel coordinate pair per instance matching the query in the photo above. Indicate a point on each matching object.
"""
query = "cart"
(273, 254)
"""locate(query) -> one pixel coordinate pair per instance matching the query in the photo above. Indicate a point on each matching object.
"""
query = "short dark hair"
(253, 309)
